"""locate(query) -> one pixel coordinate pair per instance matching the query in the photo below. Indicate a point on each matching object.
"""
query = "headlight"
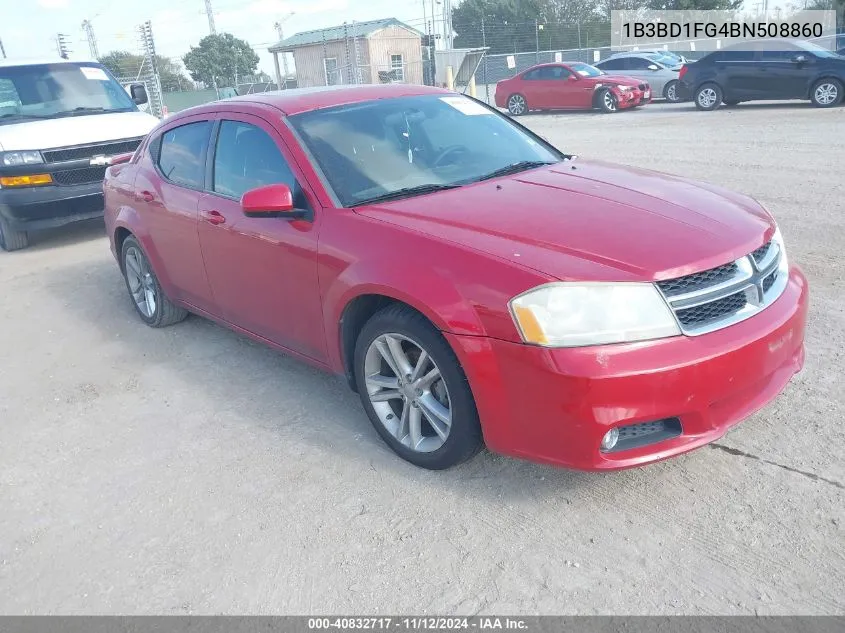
(13, 159)
(623, 88)
(574, 314)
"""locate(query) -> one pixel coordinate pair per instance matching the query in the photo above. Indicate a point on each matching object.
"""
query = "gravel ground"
(189, 470)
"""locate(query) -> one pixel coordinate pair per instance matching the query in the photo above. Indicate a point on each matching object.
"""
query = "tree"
(126, 64)
(221, 58)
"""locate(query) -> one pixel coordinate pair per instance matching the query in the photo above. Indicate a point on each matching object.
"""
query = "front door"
(787, 75)
(263, 271)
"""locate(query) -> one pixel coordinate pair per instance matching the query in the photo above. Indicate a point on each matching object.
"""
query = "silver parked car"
(651, 67)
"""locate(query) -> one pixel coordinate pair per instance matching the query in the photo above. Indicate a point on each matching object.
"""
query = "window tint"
(181, 155)
(638, 63)
(612, 64)
(247, 158)
(533, 74)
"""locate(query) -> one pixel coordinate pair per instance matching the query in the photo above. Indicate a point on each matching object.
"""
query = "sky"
(178, 24)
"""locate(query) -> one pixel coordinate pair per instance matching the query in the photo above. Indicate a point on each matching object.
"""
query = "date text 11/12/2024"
(416, 623)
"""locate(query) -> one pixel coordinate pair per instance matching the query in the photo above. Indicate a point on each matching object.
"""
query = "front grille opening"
(769, 281)
(79, 176)
(87, 151)
(713, 311)
(698, 281)
(645, 433)
(760, 254)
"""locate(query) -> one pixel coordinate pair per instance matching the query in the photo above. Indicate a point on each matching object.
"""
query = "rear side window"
(181, 154)
(612, 64)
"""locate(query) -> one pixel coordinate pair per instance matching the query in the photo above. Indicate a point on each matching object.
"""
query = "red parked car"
(570, 86)
(471, 282)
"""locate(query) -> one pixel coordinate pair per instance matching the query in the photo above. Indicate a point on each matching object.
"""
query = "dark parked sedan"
(764, 71)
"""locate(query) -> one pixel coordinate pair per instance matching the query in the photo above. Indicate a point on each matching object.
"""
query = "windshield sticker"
(465, 106)
(95, 74)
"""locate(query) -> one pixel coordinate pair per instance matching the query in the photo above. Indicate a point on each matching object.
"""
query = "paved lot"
(189, 470)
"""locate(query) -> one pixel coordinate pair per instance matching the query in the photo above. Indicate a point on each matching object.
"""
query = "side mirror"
(139, 94)
(271, 201)
(572, 78)
(799, 59)
(653, 67)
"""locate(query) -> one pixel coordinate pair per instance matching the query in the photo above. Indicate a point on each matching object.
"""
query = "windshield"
(46, 91)
(377, 148)
(585, 70)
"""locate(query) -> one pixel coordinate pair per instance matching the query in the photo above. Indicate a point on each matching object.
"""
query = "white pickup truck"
(61, 122)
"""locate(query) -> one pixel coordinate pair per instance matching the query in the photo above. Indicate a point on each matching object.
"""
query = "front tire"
(414, 390)
(10, 239)
(154, 308)
(517, 105)
(708, 97)
(670, 92)
(826, 93)
(607, 101)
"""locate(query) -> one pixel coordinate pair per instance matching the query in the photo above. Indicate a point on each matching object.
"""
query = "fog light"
(609, 440)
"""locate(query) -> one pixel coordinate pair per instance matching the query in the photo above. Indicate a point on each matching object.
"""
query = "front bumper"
(555, 405)
(46, 206)
(632, 98)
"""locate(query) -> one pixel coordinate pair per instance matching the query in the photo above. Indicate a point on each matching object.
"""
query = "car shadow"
(203, 353)
(75, 233)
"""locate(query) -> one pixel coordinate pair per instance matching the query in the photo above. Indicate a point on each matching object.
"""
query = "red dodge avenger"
(474, 285)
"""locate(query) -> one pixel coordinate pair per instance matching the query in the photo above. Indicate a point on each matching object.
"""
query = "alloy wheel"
(826, 93)
(609, 101)
(141, 282)
(707, 98)
(516, 104)
(407, 392)
(671, 93)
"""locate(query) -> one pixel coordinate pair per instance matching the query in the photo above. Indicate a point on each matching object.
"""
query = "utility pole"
(2, 50)
(280, 32)
(209, 12)
(61, 45)
(92, 40)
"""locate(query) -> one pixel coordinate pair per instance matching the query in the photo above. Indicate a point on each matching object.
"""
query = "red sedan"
(570, 86)
(472, 283)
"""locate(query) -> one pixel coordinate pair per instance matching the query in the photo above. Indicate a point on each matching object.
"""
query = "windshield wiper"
(514, 168)
(405, 192)
(81, 110)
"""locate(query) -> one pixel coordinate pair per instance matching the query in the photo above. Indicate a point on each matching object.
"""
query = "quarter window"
(247, 158)
(181, 155)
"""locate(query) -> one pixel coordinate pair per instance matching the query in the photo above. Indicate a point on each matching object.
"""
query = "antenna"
(92, 40)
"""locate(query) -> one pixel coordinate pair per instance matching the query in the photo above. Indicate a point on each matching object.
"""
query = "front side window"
(639, 63)
(613, 64)
(181, 155)
(247, 158)
(49, 91)
(376, 148)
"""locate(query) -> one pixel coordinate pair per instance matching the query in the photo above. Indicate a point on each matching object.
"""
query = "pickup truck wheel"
(414, 390)
(154, 308)
(10, 239)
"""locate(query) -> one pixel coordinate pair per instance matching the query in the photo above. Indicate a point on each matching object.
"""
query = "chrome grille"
(718, 297)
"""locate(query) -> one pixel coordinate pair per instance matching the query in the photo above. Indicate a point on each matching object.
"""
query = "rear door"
(741, 74)
(168, 186)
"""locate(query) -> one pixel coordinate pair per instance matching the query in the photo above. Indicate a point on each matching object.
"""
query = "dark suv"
(769, 70)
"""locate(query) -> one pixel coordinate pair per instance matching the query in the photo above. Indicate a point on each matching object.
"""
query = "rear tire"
(670, 92)
(826, 93)
(607, 101)
(708, 97)
(517, 105)
(150, 302)
(10, 239)
(421, 406)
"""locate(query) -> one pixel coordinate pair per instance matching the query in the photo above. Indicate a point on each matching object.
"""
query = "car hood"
(74, 130)
(617, 80)
(591, 221)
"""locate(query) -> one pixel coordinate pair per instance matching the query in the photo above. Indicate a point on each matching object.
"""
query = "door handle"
(147, 196)
(213, 217)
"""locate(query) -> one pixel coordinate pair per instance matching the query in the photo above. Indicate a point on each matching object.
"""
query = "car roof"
(298, 100)
(37, 61)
